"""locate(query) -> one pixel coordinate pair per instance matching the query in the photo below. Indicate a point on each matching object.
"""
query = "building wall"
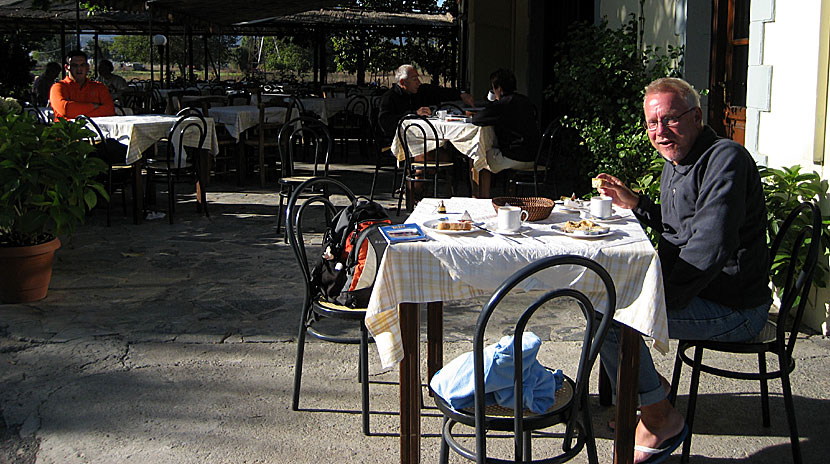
(787, 99)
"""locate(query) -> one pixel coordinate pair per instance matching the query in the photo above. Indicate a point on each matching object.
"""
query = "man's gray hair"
(676, 86)
(402, 72)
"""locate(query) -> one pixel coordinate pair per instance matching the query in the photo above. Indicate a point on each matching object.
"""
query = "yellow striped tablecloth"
(471, 140)
(455, 267)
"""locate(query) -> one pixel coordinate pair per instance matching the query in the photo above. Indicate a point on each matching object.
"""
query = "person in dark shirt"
(43, 83)
(514, 119)
(408, 95)
(712, 248)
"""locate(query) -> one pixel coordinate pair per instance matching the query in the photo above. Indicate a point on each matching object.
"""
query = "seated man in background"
(115, 84)
(77, 95)
(517, 133)
(43, 83)
(408, 95)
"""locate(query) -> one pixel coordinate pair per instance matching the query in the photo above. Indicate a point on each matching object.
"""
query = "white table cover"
(453, 267)
(471, 140)
(237, 119)
(139, 132)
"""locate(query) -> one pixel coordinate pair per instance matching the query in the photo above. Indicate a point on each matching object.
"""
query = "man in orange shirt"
(76, 95)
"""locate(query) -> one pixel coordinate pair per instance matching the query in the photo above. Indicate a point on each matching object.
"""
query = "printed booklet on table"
(403, 233)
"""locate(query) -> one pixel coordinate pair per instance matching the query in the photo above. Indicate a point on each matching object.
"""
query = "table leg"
(138, 193)
(435, 338)
(410, 384)
(240, 162)
(627, 379)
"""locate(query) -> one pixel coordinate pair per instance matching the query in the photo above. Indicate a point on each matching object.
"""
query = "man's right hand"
(621, 195)
(424, 111)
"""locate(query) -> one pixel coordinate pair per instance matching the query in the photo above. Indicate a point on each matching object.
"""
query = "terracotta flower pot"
(25, 272)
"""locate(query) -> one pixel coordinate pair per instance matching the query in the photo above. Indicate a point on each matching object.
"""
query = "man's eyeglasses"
(668, 121)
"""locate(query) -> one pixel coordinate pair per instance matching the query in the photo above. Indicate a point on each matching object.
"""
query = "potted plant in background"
(48, 184)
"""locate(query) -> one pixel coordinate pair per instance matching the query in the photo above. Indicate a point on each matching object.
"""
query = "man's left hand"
(424, 111)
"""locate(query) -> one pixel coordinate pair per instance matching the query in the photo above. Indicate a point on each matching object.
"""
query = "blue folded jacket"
(455, 383)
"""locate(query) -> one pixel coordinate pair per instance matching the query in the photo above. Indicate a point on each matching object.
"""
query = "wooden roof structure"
(228, 17)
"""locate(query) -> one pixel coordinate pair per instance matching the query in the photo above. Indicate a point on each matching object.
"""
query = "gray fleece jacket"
(712, 221)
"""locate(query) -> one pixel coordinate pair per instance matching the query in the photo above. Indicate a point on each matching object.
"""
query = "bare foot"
(612, 424)
(658, 423)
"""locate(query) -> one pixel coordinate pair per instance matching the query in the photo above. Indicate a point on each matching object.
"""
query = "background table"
(139, 132)
(237, 119)
(449, 268)
(471, 140)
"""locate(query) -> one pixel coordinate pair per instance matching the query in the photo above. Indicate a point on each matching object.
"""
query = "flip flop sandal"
(660, 454)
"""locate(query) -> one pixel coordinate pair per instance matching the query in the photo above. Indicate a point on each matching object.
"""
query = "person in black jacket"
(517, 134)
(408, 95)
(713, 252)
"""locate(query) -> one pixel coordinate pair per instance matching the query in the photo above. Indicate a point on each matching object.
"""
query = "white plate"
(566, 209)
(433, 223)
(557, 228)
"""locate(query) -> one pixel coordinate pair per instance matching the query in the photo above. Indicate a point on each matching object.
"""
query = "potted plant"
(48, 184)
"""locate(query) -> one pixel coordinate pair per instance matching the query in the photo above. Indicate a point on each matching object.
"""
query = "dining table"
(139, 132)
(472, 141)
(463, 266)
(324, 108)
(239, 118)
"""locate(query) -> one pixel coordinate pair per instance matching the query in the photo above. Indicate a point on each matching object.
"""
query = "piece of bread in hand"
(596, 182)
(454, 226)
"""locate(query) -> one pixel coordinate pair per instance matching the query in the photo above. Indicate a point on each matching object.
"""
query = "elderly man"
(43, 83)
(711, 219)
(408, 95)
(77, 95)
(517, 134)
(115, 84)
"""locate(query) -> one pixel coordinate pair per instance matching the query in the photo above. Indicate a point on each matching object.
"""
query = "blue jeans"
(700, 320)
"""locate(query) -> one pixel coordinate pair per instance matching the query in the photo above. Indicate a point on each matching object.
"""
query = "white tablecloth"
(453, 267)
(140, 132)
(238, 119)
(325, 108)
(471, 140)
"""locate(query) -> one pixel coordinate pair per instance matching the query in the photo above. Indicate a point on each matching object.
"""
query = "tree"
(131, 48)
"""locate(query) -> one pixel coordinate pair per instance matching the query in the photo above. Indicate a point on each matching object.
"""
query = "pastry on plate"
(453, 225)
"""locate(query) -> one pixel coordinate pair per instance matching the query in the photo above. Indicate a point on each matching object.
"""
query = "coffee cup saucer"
(493, 227)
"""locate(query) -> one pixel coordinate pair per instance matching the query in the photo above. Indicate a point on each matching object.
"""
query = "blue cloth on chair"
(455, 382)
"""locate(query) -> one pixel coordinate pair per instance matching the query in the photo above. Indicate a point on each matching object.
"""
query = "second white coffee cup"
(511, 218)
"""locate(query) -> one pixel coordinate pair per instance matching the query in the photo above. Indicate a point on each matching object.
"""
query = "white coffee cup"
(442, 114)
(511, 218)
(601, 207)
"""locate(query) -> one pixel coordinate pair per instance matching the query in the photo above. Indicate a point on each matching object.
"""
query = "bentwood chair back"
(795, 249)
(570, 407)
(179, 165)
(307, 138)
(542, 172)
(263, 137)
(119, 173)
(306, 208)
(416, 130)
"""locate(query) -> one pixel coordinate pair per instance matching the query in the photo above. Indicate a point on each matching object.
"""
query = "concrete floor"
(165, 343)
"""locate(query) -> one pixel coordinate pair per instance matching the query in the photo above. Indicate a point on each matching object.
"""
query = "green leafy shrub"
(599, 78)
(784, 189)
(48, 180)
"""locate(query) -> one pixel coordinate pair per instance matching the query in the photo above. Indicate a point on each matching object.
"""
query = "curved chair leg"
(528, 455)
(690, 411)
(762, 370)
(783, 365)
(590, 440)
(364, 375)
(298, 365)
(675, 377)
(279, 215)
(443, 457)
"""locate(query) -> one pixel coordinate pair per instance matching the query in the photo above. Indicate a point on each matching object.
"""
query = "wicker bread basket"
(537, 208)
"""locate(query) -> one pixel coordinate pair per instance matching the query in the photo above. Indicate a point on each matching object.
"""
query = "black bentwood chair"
(796, 248)
(298, 222)
(571, 406)
(416, 129)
